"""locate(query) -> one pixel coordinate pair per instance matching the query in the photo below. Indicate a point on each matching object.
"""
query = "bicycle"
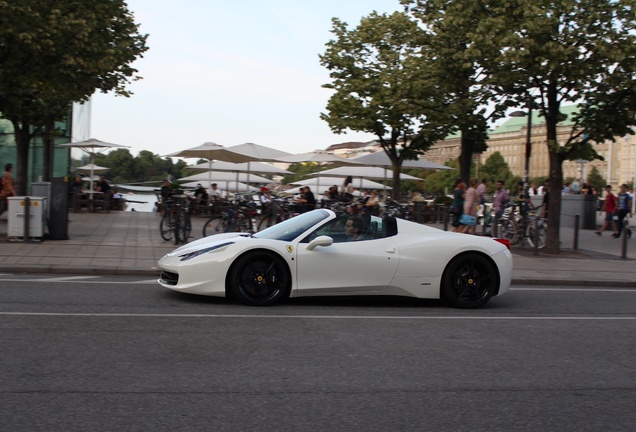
(240, 217)
(278, 211)
(175, 223)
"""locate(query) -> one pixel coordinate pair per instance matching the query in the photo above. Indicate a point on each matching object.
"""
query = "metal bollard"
(27, 220)
(446, 214)
(624, 240)
(577, 219)
(536, 237)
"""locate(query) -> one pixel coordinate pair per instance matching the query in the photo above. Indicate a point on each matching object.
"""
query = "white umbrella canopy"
(212, 151)
(228, 186)
(255, 167)
(364, 172)
(325, 182)
(91, 168)
(258, 152)
(92, 146)
(219, 176)
(381, 159)
(319, 157)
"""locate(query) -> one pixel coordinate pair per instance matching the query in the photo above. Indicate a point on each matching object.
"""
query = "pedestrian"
(7, 187)
(609, 207)
(624, 209)
(470, 204)
(457, 205)
(500, 199)
(481, 191)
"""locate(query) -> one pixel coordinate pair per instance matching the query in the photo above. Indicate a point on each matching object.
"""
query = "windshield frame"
(295, 227)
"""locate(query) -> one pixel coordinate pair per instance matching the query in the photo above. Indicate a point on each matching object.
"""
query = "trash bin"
(17, 213)
(589, 212)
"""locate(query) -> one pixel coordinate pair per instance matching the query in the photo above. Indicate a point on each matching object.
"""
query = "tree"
(495, 169)
(383, 85)
(53, 53)
(564, 52)
(461, 70)
(596, 180)
(442, 181)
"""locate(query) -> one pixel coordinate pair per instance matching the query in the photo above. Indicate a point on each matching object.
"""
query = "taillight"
(504, 242)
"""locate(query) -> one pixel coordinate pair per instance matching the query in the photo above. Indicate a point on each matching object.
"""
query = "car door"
(357, 267)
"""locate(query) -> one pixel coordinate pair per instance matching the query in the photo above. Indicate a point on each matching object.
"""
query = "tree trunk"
(552, 243)
(47, 149)
(465, 158)
(23, 136)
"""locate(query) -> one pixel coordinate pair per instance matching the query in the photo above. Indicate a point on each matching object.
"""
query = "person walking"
(458, 204)
(471, 203)
(7, 187)
(624, 209)
(609, 207)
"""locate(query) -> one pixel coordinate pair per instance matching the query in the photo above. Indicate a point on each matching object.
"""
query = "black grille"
(169, 278)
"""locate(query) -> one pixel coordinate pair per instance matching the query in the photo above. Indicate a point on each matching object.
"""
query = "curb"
(118, 271)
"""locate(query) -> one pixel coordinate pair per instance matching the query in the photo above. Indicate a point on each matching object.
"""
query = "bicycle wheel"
(266, 221)
(533, 229)
(215, 225)
(185, 227)
(166, 226)
(508, 230)
(177, 228)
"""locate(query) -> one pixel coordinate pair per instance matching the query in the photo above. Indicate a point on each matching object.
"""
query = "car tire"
(469, 281)
(259, 278)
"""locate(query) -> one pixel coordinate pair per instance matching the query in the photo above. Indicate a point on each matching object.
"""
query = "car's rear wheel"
(469, 281)
(259, 278)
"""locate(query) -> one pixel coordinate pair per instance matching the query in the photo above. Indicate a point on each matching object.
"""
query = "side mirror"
(320, 241)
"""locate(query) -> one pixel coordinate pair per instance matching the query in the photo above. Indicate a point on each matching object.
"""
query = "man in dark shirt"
(102, 185)
(309, 200)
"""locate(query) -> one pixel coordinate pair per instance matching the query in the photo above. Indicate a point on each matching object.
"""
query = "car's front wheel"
(259, 279)
(469, 281)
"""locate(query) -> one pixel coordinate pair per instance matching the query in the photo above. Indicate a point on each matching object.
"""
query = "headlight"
(189, 256)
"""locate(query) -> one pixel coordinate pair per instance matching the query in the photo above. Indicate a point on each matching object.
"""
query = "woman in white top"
(346, 190)
(471, 202)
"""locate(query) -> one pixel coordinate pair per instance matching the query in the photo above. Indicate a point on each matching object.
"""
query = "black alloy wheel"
(259, 278)
(469, 281)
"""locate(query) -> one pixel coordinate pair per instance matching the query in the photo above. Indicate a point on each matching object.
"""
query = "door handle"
(390, 250)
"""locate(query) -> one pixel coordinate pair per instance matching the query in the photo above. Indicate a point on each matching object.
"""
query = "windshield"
(292, 228)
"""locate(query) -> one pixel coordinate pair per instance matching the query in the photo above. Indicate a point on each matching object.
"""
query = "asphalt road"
(122, 354)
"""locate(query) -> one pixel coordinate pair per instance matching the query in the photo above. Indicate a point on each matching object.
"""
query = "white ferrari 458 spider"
(320, 253)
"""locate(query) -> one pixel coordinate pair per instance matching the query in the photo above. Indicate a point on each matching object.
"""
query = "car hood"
(210, 241)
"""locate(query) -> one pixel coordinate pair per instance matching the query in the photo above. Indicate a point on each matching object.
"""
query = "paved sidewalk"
(128, 243)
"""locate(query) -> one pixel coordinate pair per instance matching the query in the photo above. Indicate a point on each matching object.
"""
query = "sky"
(230, 72)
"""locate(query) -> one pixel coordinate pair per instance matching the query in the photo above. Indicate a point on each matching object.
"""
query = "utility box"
(18, 211)
(42, 189)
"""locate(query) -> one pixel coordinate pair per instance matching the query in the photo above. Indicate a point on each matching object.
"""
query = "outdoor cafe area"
(83, 200)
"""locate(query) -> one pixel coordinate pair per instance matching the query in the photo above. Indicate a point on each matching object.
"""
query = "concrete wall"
(571, 205)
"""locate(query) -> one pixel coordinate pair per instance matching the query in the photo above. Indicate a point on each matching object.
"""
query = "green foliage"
(441, 182)
(596, 180)
(382, 83)
(301, 170)
(143, 168)
(495, 169)
(56, 53)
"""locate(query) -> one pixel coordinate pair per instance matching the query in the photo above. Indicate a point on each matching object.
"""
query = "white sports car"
(320, 253)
